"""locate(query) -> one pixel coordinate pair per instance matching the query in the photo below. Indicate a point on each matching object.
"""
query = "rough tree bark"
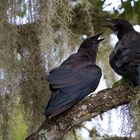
(90, 107)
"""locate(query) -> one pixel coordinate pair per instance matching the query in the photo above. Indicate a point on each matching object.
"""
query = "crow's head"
(91, 42)
(119, 26)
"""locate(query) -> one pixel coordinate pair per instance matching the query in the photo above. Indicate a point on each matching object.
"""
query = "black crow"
(125, 57)
(75, 78)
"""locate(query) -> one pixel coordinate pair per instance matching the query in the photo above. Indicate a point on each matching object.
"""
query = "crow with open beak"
(125, 57)
(75, 78)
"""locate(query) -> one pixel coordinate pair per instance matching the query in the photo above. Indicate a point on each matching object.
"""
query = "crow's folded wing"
(65, 76)
(69, 86)
(130, 55)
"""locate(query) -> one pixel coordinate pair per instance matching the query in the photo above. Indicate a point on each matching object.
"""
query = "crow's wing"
(72, 71)
(125, 53)
(70, 85)
(130, 55)
(64, 76)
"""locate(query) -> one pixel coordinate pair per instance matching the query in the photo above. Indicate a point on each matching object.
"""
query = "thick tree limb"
(56, 128)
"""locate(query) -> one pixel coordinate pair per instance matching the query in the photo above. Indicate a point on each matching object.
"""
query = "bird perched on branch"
(125, 57)
(75, 78)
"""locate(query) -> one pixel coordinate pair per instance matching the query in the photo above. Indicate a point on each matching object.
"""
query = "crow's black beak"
(95, 37)
(99, 40)
(108, 23)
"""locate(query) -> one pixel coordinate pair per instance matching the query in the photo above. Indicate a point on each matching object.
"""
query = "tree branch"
(90, 107)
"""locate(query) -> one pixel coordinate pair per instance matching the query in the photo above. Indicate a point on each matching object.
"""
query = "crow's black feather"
(74, 79)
